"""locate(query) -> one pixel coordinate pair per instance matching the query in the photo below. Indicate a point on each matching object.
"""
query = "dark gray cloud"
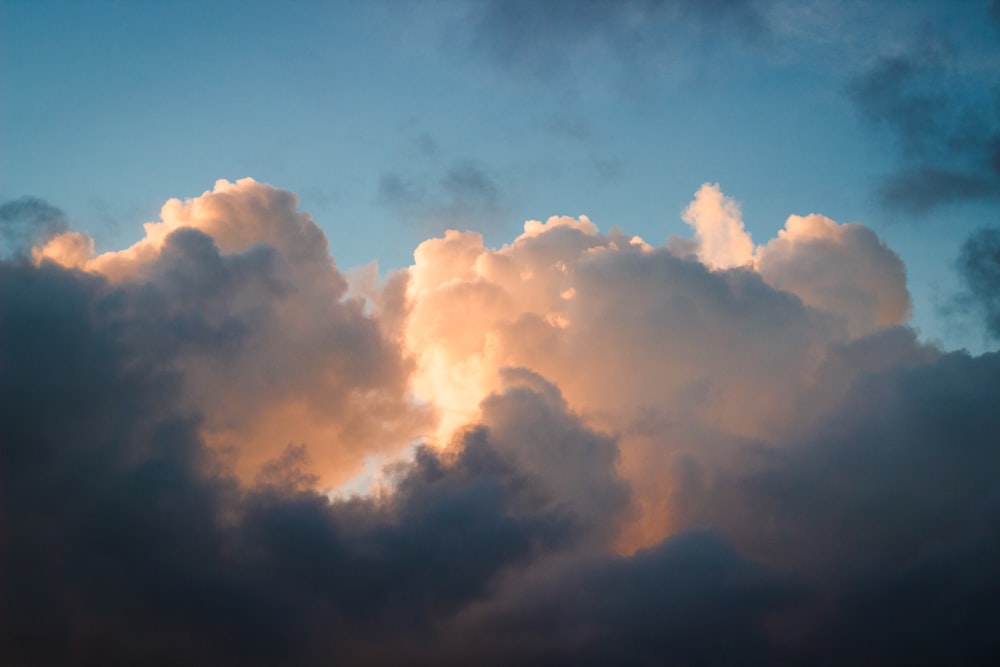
(689, 600)
(921, 189)
(979, 268)
(868, 532)
(27, 221)
(946, 130)
(887, 510)
(130, 541)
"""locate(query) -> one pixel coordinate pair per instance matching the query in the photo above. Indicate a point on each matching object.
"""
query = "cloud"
(26, 222)
(842, 269)
(237, 292)
(544, 39)
(884, 507)
(942, 117)
(464, 195)
(131, 540)
(722, 243)
(979, 268)
(921, 189)
(642, 455)
(672, 602)
(671, 354)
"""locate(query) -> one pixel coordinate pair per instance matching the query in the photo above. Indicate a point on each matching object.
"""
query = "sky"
(493, 332)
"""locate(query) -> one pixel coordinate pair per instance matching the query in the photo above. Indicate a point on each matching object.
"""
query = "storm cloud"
(593, 449)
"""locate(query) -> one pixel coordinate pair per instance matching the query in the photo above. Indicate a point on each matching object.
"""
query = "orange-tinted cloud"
(796, 462)
(842, 269)
(271, 349)
(677, 356)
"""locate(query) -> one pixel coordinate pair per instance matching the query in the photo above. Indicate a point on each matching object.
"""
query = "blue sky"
(395, 120)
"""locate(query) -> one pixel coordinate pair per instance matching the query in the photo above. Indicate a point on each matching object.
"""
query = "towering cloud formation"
(670, 353)
(237, 292)
(710, 452)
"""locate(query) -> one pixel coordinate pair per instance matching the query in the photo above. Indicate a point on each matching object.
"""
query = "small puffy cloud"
(842, 269)
(722, 242)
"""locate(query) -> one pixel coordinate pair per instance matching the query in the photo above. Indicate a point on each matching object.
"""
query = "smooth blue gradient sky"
(395, 120)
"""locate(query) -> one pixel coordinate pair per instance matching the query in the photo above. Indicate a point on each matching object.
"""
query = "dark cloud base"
(874, 540)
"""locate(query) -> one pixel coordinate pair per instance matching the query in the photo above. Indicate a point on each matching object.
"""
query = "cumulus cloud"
(708, 452)
(131, 540)
(236, 291)
(843, 269)
(694, 347)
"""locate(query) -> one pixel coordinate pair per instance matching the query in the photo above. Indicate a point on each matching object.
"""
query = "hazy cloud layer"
(711, 452)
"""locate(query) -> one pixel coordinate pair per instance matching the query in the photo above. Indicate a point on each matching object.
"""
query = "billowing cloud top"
(597, 450)
(236, 291)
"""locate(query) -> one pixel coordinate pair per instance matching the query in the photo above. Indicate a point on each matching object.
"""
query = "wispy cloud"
(544, 39)
(26, 222)
(464, 194)
(979, 268)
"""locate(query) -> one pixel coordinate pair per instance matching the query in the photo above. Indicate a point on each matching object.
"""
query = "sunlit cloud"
(577, 443)
(238, 292)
